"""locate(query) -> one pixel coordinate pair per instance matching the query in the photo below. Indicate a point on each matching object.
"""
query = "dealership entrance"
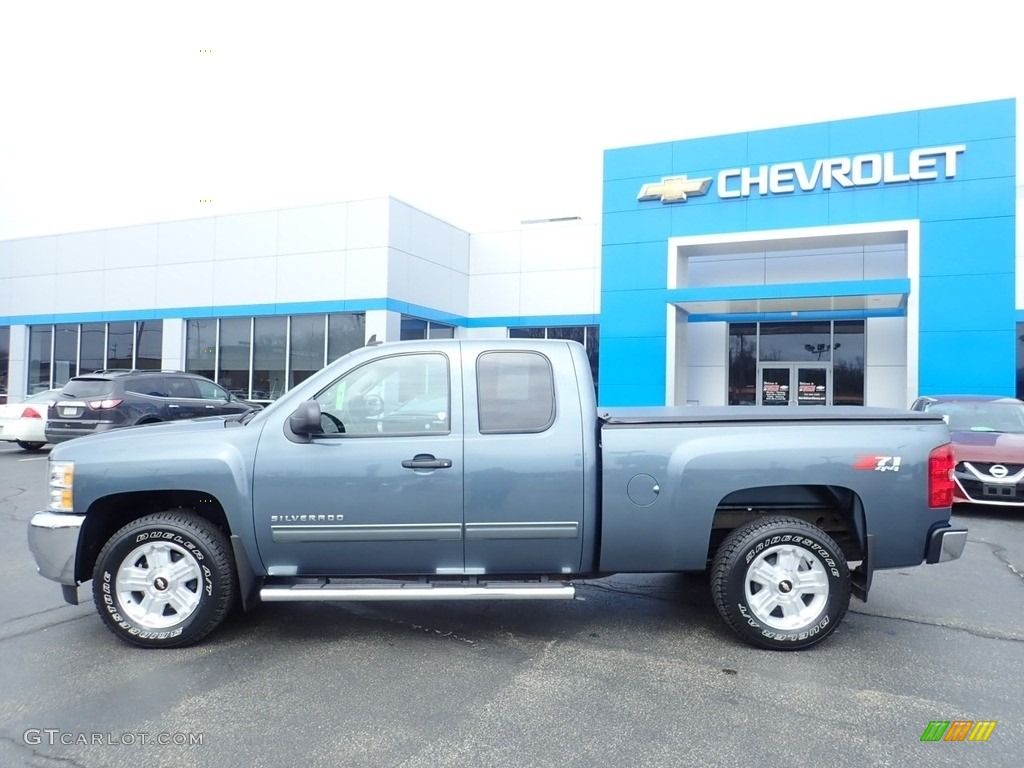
(794, 384)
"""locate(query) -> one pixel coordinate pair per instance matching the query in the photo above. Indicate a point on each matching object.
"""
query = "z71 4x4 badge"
(879, 463)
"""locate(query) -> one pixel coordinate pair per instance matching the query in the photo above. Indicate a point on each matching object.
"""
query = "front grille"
(977, 490)
(985, 467)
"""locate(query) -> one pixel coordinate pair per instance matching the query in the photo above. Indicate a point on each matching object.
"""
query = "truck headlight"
(62, 476)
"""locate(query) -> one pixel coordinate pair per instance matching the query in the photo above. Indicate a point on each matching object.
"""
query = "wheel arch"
(109, 514)
(837, 510)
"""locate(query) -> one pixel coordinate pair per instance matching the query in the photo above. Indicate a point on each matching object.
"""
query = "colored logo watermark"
(958, 730)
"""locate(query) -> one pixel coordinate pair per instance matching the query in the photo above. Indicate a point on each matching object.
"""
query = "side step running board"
(417, 591)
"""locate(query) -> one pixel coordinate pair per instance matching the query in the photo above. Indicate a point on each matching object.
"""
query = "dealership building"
(862, 261)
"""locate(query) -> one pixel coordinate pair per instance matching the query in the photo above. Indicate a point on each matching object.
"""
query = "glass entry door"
(793, 384)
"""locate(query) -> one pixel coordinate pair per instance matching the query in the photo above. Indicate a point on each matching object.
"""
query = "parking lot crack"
(924, 623)
(39, 759)
(999, 552)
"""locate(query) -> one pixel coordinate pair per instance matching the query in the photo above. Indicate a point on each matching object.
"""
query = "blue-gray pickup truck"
(483, 470)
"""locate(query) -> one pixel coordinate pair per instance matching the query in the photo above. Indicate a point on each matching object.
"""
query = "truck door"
(524, 463)
(380, 490)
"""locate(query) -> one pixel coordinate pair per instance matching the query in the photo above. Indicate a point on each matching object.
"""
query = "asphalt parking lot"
(638, 672)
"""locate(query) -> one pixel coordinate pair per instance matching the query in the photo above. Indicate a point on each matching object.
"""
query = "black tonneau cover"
(752, 413)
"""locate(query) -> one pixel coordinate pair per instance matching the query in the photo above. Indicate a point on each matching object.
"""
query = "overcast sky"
(482, 113)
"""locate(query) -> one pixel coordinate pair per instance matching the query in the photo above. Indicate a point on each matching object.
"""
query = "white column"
(17, 367)
(385, 325)
(173, 352)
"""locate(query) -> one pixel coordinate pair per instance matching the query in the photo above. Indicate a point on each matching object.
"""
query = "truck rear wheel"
(780, 583)
(164, 580)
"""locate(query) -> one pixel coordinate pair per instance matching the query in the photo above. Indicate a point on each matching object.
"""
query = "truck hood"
(1002, 447)
(143, 435)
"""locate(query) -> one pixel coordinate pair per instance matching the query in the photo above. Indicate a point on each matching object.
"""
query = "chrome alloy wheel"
(159, 584)
(786, 587)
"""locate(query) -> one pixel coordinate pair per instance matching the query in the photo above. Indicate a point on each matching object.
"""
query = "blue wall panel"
(967, 257)
(971, 247)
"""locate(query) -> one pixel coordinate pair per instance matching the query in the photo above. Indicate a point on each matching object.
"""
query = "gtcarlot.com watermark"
(55, 736)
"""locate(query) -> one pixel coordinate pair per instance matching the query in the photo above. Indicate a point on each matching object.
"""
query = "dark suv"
(107, 400)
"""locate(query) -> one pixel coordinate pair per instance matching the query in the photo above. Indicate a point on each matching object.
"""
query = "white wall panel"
(181, 242)
(246, 236)
(886, 341)
(245, 281)
(429, 284)
(6, 255)
(184, 285)
(311, 277)
(731, 270)
(132, 288)
(313, 229)
(81, 252)
(33, 256)
(495, 252)
(491, 332)
(707, 344)
(366, 275)
(559, 247)
(705, 384)
(812, 268)
(883, 264)
(885, 386)
(368, 223)
(131, 247)
(494, 296)
(32, 295)
(79, 292)
(558, 293)
(400, 226)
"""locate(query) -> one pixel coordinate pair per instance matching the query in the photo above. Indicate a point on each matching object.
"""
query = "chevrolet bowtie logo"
(673, 189)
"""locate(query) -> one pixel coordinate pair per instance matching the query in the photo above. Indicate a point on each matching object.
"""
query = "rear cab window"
(515, 392)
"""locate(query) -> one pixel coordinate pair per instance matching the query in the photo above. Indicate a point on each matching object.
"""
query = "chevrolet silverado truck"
(483, 470)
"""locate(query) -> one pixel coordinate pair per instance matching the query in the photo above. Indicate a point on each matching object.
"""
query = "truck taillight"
(940, 476)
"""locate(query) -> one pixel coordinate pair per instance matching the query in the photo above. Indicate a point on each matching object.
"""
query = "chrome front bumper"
(53, 539)
(946, 544)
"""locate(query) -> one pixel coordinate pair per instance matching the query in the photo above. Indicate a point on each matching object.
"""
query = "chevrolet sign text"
(858, 171)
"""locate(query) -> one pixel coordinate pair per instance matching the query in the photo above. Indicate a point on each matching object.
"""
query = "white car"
(24, 422)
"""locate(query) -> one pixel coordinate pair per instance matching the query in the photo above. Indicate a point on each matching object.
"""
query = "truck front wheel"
(164, 580)
(780, 583)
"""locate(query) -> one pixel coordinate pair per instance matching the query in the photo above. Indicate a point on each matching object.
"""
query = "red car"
(988, 446)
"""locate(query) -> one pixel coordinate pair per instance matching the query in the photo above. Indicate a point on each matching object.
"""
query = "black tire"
(186, 581)
(29, 445)
(798, 568)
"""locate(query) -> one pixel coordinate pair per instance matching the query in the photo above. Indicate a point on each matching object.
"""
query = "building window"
(149, 345)
(417, 328)
(587, 335)
(120, 345)
(57, 353)
(821, 361)
(269, 356)
(40, 352)
(742, 363)
(285, 350)
(93, 342)
(201, 347)
(345, 332)
(233, 364)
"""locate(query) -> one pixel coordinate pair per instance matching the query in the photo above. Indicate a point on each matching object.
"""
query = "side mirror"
(305, 420)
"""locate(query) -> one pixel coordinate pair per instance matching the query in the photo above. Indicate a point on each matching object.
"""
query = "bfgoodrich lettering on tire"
(164, 580)
(780, 583)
